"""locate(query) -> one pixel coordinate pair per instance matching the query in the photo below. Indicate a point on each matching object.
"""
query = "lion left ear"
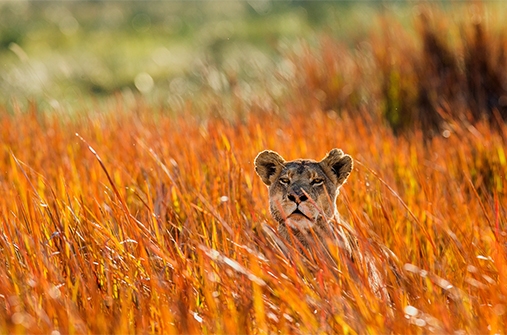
(268, 165)
(338, 164)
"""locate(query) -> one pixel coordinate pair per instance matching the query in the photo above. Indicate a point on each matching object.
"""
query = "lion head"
(302, 192)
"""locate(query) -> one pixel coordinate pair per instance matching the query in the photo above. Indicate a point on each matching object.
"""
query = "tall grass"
(442, 74)
(128, 219)
(144, 223)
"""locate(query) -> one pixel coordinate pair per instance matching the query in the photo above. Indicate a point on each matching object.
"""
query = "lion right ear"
(339, 165)
(268, 165)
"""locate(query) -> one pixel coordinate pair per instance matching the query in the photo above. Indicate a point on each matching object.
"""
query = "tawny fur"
(302, 200)
(303, 192)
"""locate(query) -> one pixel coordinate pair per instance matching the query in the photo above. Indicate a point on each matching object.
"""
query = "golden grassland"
(144, 223)
(135, 219)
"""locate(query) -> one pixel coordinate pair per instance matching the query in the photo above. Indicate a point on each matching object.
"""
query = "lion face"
(302, 192)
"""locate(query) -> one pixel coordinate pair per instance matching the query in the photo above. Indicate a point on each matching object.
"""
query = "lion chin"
(298, 220)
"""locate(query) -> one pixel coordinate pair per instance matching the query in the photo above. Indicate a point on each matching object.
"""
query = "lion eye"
(317, 182)
(284, 181)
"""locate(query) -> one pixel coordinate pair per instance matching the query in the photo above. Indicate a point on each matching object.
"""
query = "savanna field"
(123, 213)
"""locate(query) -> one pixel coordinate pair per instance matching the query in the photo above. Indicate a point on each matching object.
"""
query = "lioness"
(302, 192)
(302, 199)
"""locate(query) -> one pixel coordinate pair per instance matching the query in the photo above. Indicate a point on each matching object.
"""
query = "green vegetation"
(62, 54)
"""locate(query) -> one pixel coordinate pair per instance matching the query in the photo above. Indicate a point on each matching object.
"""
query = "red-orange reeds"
(128, 220)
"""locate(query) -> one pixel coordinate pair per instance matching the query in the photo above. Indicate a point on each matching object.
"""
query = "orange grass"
(127, 220)
(162, 229)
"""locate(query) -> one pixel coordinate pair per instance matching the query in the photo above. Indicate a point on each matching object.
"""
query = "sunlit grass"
(149, 223)
(140, 217)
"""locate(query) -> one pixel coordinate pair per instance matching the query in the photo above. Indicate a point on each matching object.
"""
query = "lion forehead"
(301, 173)
(303, 170)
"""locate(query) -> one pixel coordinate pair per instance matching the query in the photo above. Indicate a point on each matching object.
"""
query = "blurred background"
(61, 54)
(392, 55)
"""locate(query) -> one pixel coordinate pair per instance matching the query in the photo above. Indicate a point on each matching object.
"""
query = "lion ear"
(268, 165)
(338, 164)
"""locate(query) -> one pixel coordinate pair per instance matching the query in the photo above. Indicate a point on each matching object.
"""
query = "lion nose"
(297, 197)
